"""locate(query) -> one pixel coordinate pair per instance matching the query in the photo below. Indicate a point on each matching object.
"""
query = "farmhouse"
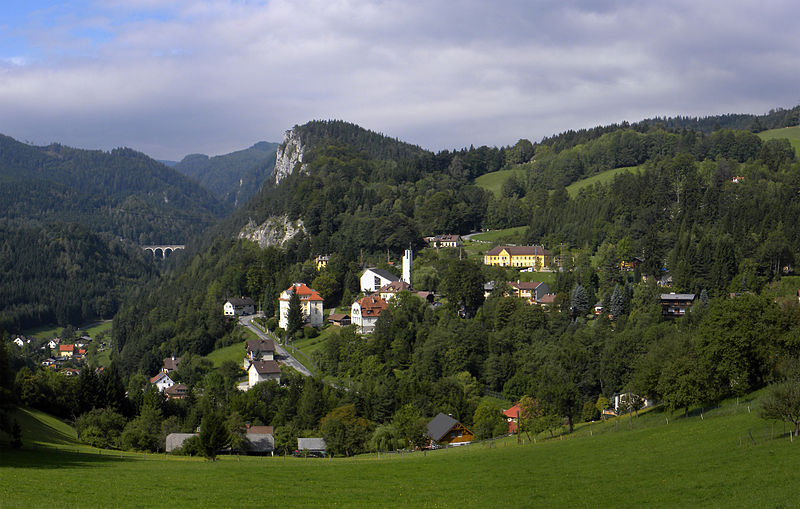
(177, 391)
(675, 305)
(170, 364)
(260, 439)
(314, 446)
(443, 429)
(364, 313)
(310, 304)
(339, 319)
(262, 371)
(519, 256)
(446, 240)
(162, 381)
(66, 350)
(531, 290)
(511, 415)
(239, 307)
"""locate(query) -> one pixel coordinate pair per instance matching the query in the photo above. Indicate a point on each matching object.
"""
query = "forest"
(715, 210)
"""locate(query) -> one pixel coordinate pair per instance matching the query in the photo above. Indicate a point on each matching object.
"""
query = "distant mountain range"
(234, 177)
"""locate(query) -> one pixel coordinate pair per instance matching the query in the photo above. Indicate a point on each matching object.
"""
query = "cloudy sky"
(171, 78)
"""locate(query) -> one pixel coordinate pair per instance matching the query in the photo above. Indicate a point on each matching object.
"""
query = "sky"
(174, 77)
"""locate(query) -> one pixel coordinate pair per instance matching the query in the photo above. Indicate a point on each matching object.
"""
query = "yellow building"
(519, 256)
(321, 262)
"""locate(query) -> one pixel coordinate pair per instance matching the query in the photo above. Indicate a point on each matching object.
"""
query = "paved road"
(286, 358)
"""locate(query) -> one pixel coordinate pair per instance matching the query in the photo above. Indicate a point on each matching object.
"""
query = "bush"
(272, 323)
(100, 427)
(310, 332)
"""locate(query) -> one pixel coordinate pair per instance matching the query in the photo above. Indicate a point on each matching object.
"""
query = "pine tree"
(295, 318)
(580, 301)
(617, 303)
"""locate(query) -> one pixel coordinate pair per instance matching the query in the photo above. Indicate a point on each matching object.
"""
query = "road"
(285, 357)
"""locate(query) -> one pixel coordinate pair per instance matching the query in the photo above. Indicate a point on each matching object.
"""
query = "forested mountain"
(72, 224)
(64, 274)
(716, 211)
(122, 192)
(234, 177)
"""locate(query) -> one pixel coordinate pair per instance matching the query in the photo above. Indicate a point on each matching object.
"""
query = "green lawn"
(494, 181)
(790, 133)
(727, 458)
(603, 177)
(512, 235)
(234, 352)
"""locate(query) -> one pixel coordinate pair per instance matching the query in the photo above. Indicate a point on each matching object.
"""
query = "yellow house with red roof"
(310, 303)
(519, 256)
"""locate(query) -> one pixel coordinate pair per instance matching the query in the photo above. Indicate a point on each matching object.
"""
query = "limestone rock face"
(289, 156)
(275, 231)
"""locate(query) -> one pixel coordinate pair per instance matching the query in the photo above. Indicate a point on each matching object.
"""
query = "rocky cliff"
(289, 156)
(275, 231)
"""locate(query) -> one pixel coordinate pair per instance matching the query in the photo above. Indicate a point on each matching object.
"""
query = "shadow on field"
(45, 458)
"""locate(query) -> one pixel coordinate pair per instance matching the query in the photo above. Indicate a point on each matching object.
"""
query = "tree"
(488, 420)
(214, 435)
(144, 432)
(617, 303)
(295, 318)
(463, 285)
(344, 431)
(601, 405)
(579, 301)
(782, 402)
(100, 427)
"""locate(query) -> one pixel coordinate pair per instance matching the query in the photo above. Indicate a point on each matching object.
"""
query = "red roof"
(158, 377)
(65, 348)
(512, 412)
(303, 291)
(372, 305)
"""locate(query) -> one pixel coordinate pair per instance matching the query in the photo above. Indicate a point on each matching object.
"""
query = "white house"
(259, 350)
(19, 342)
(364, 313)
(162, 381)
(261, 371)
(239, 307)
(310, 303)
(388, 292)
(53, 343)
(373, 279)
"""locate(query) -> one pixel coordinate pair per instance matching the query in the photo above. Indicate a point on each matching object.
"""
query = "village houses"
(310, 303)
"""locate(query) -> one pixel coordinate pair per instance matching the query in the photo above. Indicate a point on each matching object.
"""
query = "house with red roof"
(364, 313)
(66, 350)
(310, 303)
(512, 415)
(162, 381)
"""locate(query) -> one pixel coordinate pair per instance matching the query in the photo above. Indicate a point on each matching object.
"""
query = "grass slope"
(691, 461)
(603, 177)
(494, 181)
(790, 133)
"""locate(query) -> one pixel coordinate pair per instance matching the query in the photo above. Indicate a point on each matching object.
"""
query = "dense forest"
(713, 210)
(233, 178)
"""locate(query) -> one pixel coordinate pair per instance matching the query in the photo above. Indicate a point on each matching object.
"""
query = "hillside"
(122, 192)
(790, 133)
(729, 457)
(234, 177)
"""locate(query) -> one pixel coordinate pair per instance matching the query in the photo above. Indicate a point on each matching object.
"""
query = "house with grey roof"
(373, 279)
(445, 430)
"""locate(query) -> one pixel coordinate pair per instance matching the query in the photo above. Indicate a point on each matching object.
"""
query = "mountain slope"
(233, 177)
(122, 192)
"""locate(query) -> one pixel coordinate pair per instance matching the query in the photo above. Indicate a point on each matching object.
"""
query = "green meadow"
(790, 133)
(725, 457)
(601, 178)
(494, 181)
(511, 235)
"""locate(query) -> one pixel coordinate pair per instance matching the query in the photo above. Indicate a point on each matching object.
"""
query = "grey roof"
(677, 296)
(176, 440)
(266, 367)
(260, 442)
(260, 345)
(385, 274)
(312, 444)
(242, 301)
(440, 425)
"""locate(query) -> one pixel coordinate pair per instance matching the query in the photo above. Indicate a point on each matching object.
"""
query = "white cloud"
(214, 76)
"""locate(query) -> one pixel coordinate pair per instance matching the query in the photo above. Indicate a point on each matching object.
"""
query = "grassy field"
(604, 177)
(727, 458)
(790, 133)
(512, 235)
(234, 352)
(494, 181)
